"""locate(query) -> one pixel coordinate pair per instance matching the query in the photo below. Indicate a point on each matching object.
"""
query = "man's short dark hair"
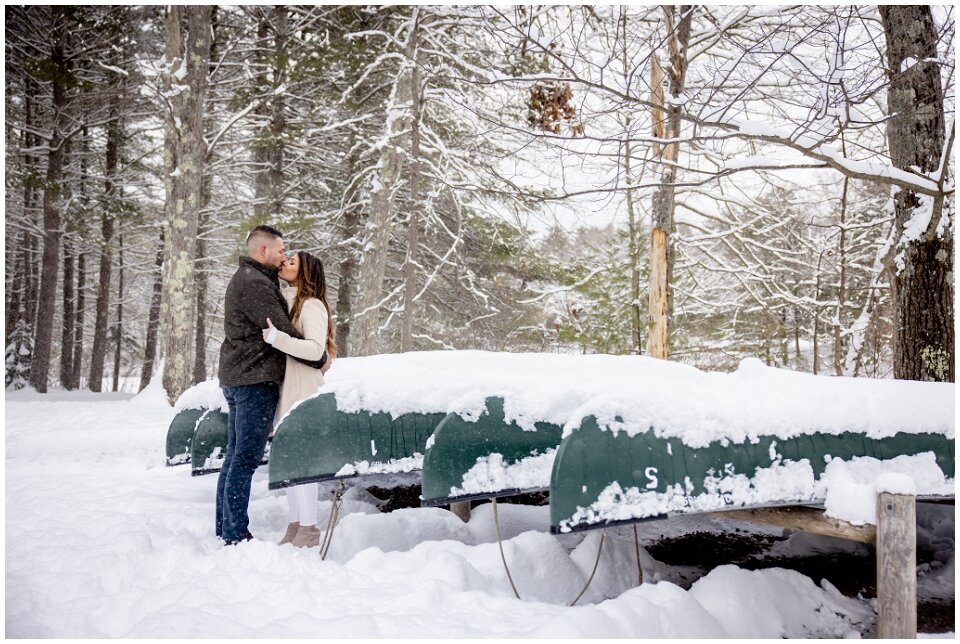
(266, 230)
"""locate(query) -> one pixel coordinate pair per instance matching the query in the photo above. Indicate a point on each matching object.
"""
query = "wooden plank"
(896, 566)
(805, 519)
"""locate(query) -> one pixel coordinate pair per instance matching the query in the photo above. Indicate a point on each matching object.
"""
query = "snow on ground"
(103, 540)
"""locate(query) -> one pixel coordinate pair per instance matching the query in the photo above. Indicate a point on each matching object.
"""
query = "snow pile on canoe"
(635, 393)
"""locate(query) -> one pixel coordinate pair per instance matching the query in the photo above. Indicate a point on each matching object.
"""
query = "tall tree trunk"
(269, 148)
(413, 229)
(200, 339)
(921, 265)
(153, 321)
(633, 228)
(117, 352)
(203, 227)
(78, 322)
(379, 228)
(98, 355)
(842, 286)
(43, 335)
(19, 289)
(350, 256)
(29, 243)
(66, 336)
(184, 172)
(667, 126)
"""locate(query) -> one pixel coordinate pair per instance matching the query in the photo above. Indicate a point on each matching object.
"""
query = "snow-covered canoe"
(487, 457)
(316, 441)
(180, 436)
(756, 437)
(603, 478)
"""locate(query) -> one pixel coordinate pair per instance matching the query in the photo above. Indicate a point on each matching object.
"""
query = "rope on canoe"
(332, 522)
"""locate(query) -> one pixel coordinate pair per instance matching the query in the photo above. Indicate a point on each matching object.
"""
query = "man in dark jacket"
(251, 372)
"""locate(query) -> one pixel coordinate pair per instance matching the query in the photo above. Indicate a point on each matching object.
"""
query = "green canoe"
(317, 442)
(209, 443)
(604, 478)
(180, 436)
(491, 453)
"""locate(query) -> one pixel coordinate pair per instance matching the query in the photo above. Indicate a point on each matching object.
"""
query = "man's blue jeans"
(252, 408)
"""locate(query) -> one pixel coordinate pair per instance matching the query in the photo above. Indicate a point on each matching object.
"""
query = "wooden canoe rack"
(895, 536)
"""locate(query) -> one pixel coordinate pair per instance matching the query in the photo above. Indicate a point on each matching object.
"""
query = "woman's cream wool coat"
(301, 381)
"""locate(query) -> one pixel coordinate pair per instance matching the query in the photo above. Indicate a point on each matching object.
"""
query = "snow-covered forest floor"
(103, 540)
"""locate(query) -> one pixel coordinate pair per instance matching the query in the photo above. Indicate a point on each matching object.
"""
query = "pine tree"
(18, 356)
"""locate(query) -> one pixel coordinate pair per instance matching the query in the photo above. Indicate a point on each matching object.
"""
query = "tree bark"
(413, 228)
(269, 149)
(153, 321)
(842, 286)
(667, 126)
(117, 353)
(66, 335)
(19, 293)
(379, 229)
(184, 172)
(78, 321)
(43, 335)
(98, 355)
(920, 265)
(351, 253)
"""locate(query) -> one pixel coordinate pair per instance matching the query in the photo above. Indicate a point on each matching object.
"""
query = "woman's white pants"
(302, 502)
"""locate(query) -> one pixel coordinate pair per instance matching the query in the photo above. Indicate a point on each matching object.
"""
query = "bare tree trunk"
(633, 229)
(75, 324)
(119, 346)
(78, 322)
(379, 229)
(153, 321)
(66, 335)
(29, 244)
(413, 229)
(19, 288)
(350, 254)
(842, 286)
(43, 335)
(203, 227)
(664, 200)
(921, 266)
(184, 172)
(269, 148)
(98, 356)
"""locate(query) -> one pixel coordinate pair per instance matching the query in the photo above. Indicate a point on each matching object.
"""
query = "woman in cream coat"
(310, 313)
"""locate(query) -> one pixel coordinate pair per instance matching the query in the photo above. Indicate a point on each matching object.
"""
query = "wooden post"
(462, 510)
(896, 566)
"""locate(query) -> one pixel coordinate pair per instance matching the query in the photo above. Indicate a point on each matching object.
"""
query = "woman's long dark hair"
(312, 282)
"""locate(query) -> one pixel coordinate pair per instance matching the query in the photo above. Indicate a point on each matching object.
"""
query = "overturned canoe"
(488, 457)
(316, 442)
(180, 436)
(601, 477)
(209, 444)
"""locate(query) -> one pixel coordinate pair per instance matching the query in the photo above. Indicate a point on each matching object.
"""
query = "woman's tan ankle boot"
(308, 536)
(290, 533)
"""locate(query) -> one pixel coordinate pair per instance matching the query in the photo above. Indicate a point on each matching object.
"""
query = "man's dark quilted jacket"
(253, 295)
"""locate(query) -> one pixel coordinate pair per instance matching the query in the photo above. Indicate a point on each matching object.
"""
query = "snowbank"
(103, 540)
